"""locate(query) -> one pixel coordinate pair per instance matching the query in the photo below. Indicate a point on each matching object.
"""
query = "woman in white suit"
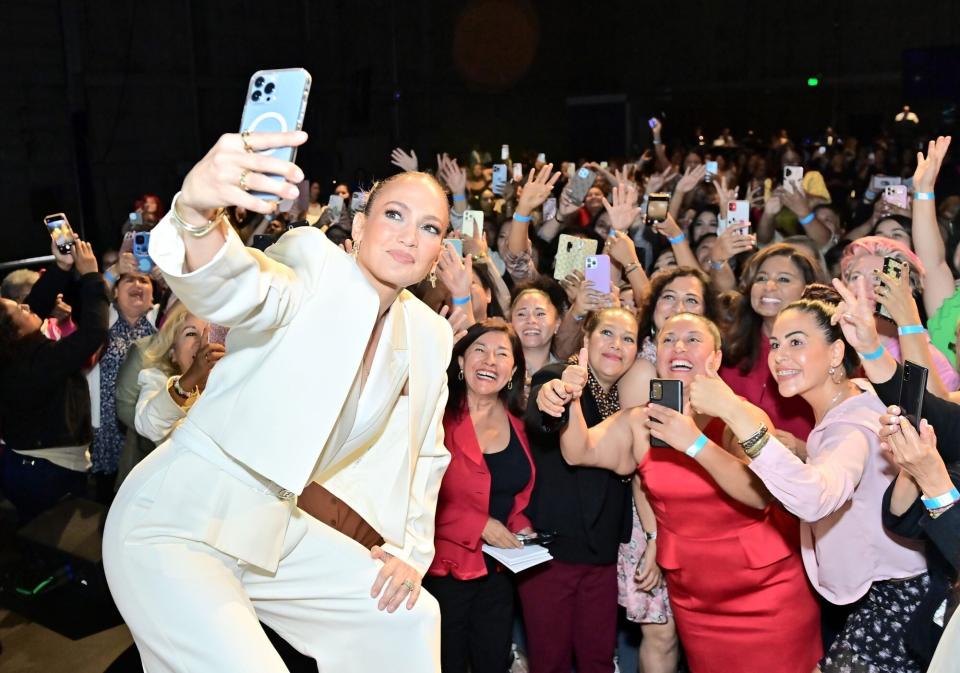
(327, 358)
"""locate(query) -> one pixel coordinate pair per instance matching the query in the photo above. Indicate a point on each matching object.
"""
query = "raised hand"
(731, 243)
(677, 430)
(668, 227)
(589, 299)
(624, 210)
(895, 294)
(207, 356)
(536, 190)
(476, 246)
(553, 397)
(917, 454)
(621, 249)
(454, 177)
(455, 272)
(571, 284)
(458, 319)
(773, 205)
(710, 395)
(215, 181)
(84, 260)
(725, 191)
(575, 377)
(855, 316)
(404, 161)
(928, 167)
(795, 199)
(656, 182)
(691, 178)
(566, 206)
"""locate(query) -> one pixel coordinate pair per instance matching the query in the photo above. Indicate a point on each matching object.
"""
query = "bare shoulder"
(634, 386)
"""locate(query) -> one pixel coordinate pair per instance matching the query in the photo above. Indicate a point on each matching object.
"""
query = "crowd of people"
(323, 415)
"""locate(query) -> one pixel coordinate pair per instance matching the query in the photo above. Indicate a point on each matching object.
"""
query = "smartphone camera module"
(591, 263)
(255, 96)
(656, 391)
(258, 82)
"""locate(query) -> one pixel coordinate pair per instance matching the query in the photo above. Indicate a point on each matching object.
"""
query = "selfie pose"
(205, 539)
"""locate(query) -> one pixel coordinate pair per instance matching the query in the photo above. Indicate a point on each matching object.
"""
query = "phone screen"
(62, 234)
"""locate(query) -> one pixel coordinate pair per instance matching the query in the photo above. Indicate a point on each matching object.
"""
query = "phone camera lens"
(258, 82)
(270, 87)
(255, 96)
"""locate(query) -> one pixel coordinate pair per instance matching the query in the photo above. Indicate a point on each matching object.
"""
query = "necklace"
(834, 401)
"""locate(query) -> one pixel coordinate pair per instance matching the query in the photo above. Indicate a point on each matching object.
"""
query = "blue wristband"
(522, 218)
(910, 329)
(109, 275)
(923, 196)
(460, 301)
(694, 449)
(808, 218)
(717, 265)
(872, 355)
(948, 498)
(678, 239)
(459, 197)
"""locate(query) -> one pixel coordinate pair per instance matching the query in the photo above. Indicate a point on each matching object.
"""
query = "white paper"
(518, 560)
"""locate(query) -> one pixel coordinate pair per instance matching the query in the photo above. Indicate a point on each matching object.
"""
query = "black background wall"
(101, 100)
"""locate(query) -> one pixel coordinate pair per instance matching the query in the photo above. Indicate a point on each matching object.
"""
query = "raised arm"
(536, 190)
(927, 241)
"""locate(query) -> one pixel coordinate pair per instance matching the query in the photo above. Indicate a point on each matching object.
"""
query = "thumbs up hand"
(575, 376)
(710, 395)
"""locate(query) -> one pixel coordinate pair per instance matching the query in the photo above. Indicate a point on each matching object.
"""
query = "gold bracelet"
(192, 229)
(750, 441)
(755, 450)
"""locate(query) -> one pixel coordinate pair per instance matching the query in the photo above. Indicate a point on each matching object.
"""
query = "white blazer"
(300, 318)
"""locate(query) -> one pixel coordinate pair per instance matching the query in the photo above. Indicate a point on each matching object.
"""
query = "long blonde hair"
(157, 354)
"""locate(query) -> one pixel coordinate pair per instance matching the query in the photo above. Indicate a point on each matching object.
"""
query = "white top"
(157, 414)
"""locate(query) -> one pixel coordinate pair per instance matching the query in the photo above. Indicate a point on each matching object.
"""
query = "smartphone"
(793, 174)
(276, 101)
(504, 152)
(896, 195)
(658, 205)
(581, 184)
(499, 181)
(472, 223)
(653, 121)
(912, 388)
(542, 158)
(712, 170)
(879, 182)
(596, 269)
(217, 334)
(542, 538)
(141, 251)
(358, 201)
(518, 172)
(263, 241)
(572, 253)
(335, 204)
(891, 267)
(58, 225)
(667, 393)
(737, 216)
(456, 243)
(549, 208)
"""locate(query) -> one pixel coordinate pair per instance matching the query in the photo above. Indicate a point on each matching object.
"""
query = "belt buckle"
(284, 494)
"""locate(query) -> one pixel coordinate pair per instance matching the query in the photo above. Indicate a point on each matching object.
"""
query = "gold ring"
(244, 135)
(243, 180)
(408, 584)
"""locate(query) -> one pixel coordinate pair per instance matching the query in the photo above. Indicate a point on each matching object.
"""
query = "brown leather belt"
(327, 508)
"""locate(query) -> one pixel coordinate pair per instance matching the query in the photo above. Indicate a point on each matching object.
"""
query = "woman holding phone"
(760, 615)
(207, 525)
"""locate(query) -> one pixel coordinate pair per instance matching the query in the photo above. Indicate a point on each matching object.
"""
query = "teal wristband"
(678, 239)
(522, 218)
(694, 449)
(459, 197)
(948, 498)
(716, 266)
(923, 196)
(910, 329)
(460, 301)
(872, 355)
(808, 218)
(109, 275)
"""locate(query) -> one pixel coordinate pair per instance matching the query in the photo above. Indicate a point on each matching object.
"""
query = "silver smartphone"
(276, 102)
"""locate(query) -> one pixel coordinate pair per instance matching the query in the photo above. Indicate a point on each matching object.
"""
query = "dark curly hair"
(647, 305)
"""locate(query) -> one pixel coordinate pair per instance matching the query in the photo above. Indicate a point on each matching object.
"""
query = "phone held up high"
(658, 205)
(596, 270)
(57, 225)
(912, 386)
(581, 183)
(667, 393)
(891, 267)
(141, 251)
(276, 102)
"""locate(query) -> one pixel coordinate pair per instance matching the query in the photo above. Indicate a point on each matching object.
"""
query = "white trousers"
(192, 608)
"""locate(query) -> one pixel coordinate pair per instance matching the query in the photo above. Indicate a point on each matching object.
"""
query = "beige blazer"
(300, 317)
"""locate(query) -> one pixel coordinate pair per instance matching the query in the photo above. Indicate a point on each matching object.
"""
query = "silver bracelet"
(192, 229)
(650, 535)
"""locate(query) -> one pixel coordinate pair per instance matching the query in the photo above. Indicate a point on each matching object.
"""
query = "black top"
(509, 473)
(943, 562)
(587, 507)
(44, 398)
(942, 414)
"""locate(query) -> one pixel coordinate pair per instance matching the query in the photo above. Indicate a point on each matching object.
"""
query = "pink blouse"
(838, 494)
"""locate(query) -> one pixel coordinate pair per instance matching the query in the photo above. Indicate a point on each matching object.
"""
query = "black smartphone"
(667, 393)
(263, 241)
(912, 387)
(891, 267)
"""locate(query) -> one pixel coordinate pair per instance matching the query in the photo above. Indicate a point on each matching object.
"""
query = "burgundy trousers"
(570, 613)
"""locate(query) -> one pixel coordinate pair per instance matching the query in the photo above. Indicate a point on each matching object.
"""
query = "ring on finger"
(243, 180)
(244, 138)
(408, 584)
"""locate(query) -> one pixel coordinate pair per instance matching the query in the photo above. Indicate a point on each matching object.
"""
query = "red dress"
(736, 583)
(759, 387)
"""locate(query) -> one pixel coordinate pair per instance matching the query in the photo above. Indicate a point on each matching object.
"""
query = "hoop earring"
(433, 278)
(460, 376)
(510, 384)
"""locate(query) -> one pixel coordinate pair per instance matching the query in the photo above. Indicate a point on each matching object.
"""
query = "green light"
(813, 81)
